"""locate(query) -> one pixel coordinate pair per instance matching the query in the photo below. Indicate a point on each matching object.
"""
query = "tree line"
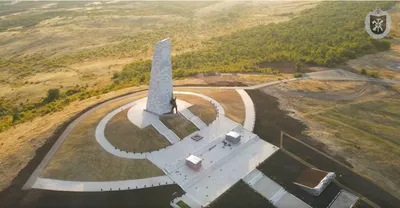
(329, 34)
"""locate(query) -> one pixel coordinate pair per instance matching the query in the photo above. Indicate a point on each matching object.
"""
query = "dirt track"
(333, 95)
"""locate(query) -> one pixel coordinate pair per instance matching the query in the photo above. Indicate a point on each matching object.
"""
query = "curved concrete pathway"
(150, 119)
(218, 106)
(107, 146)
(194, 119)
(97, 186)
(250, 111)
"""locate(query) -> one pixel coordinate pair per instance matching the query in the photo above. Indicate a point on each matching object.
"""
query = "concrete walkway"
(142, 119)
(250, 111)
(97, 186)
(218, 106)
(344, 199)
(165, 131)
(107, 146)
(194, 119)
(272, 191)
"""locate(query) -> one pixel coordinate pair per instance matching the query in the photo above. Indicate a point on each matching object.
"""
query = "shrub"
(298, 75)
(363, 72)
(276, 72)
(52, 95)
(16, 116)
(299, 66)
(115, 75)
(374, 74)
(266, 71)
(182, 204)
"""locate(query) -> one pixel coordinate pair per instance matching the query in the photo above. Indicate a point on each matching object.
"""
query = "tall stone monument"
(160, 87)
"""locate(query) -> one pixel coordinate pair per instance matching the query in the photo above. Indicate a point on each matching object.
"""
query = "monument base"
(170, 115)
(162, 115)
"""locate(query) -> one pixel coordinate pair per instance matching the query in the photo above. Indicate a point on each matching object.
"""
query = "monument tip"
(166, 39)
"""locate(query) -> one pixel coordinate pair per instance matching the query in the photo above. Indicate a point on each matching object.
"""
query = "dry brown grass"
(363, 130)
(124, 135)
(81, 158)
(18, 144)
(396, 87)
(201, 108)
(58, 37)
(261, 78)
(229, 99)
(179, 125)
(228, 79)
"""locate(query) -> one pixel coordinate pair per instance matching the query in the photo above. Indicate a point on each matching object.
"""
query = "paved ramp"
(192, 118)
(343, 200)
(272, 191)
(164, 130)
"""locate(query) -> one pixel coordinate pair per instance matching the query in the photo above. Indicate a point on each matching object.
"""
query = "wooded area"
(328, 34)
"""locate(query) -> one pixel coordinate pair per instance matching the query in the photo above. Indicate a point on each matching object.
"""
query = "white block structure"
(160, 87)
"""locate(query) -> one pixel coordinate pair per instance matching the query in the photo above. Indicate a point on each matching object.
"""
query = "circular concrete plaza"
(126, 133)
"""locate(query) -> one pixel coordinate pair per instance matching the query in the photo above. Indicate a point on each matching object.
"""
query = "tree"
(16, 116)
(115, 75)
(299, 66)
(52, 95)
(298, 75)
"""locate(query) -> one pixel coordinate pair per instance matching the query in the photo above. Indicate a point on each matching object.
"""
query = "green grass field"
(179, 125)
(124, 135)
(200, 108)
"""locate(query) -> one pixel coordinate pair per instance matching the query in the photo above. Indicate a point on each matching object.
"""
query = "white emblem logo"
(377, 24)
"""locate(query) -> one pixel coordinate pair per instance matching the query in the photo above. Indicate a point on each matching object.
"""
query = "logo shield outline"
(377, 24)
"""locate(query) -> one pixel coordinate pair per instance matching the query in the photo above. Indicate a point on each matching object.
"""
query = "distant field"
(356, 121)
(91, 40)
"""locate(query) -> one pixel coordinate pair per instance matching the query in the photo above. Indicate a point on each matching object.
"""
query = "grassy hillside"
(76, 39)
(328, 34)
